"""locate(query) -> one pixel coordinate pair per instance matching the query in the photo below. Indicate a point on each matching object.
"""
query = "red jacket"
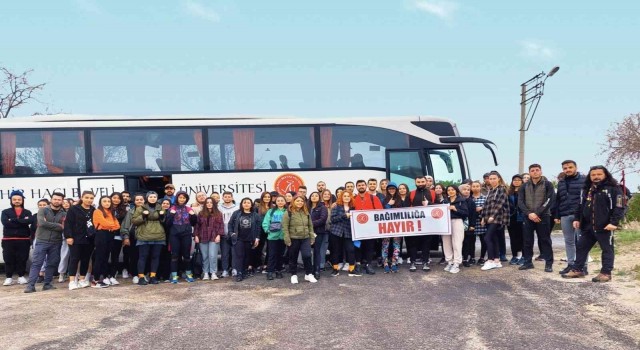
(368, 202)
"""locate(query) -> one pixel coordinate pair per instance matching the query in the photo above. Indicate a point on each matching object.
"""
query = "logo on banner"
(287, 183)
(362, 218)
(437, 213)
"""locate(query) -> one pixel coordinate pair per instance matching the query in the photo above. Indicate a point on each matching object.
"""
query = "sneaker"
(279, 275)
(269, 276)
(409, 261)
(316, 275)
(520, 261)
(442, 261)
(426, 268)
(601, 278)
(399, 260)
(503, 258)
(387, 269)
(481, 261)
(294, 279)
(548, 267)
(526, 266)
(369, 270)
(30, 289)
(61, 278)
(394, 268)
(514, 261)
(488, 265)
(113, 281)
(335, 273)
(84, 283)
(40, 279)
(102, 285)
(454, 269)
(412, 268)
(358, 269)
(466, 263)
(125, 274)
(48, 286)
(206, 277)
(23, 280)
(573, 274)
(73, 285)
(106, 281)
(472, 261)
(214, 277)
(239, 277)
(310, 278)
(190, 278)
(355, 273)
(142, 281)
(448, 267)
(153, 280)
(8, 281)
(134, 280)
(225, 273)
(234, 273)
(174, 279)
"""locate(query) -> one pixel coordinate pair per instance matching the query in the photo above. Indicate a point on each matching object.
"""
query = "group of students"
(156, 235)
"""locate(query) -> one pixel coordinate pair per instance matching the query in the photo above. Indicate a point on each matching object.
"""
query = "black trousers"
(587, 240)
(515, 237)
(543, 231)
(502, 243)
(340, 245)
(15, 254)
(492, 240)
(102, 241)
(164, 267)
(79, 253)
(131, 252)
(422, 243)
(302, 246)
(468, 245)
(366, 253)
(275, 251)
(114, 258)
(241, 255)
(257, 260)
(149, 250)
(180, 248)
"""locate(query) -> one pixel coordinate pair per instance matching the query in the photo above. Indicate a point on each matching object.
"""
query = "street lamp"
(531, 96)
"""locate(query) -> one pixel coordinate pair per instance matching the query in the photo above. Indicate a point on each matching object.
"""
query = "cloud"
(89, 6)
(535, 49)
(438, 8)
(198, 10)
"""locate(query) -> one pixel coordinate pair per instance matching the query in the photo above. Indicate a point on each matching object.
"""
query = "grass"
(622, 239)
(636, 269)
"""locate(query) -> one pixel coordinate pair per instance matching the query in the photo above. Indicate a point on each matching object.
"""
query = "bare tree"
(15, 90)
(622, 146)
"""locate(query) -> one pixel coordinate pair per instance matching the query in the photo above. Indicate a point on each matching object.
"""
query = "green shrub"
(633, 214)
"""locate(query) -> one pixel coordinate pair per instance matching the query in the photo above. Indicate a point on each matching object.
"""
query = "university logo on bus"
(288, 182)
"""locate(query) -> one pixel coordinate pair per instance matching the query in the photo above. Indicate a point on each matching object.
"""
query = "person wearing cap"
(169, 190)
(16, 238)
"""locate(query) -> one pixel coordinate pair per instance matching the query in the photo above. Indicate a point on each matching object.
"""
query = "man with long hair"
(598, 216)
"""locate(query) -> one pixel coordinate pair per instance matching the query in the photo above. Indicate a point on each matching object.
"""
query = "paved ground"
(500, 309)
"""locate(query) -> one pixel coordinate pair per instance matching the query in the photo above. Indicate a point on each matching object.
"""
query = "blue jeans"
(570, 237)
(209, 252)
(43, 250)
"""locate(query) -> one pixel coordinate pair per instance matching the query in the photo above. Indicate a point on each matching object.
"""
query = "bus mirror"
(447, 161)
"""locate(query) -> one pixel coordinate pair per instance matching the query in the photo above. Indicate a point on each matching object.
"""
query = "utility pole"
(536, 92)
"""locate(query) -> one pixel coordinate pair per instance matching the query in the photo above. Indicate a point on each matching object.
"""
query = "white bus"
(244, 155)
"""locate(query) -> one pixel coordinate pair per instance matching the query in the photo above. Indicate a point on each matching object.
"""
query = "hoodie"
(227, 211)
(181, 218)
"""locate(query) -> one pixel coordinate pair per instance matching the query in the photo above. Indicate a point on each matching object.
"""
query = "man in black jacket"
(16, 238)
(567, 201)
(535, 200)
(599, 214)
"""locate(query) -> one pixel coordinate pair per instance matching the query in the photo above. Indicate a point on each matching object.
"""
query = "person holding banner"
(392, 200)
(452, 244)
(340, 238)
(420, 197)
(495, 216)
(365, 201)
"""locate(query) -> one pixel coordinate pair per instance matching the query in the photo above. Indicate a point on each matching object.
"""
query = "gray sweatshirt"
(227, 211)
(50, 225)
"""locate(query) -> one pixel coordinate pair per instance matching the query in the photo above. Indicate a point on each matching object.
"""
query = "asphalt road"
(499, 309)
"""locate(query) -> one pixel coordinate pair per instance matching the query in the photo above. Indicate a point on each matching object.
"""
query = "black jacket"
(462, 207)
(75, 225)
(319, 216)
(471, 207)
(568, 195)
(600, 206)
(256, 226)
(14, 226)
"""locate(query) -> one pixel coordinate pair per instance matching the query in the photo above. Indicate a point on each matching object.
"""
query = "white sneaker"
(294, 279)
(106, 281)
(488, 265)
(8, 282)
(454, 269)
(205, 277)
(311, 278)
(234, 273)
(73, 285)
(225, 274)
(135, 279)
(61, 278)
(22, 280)
(497, 265)
(125, 274)
(214, 276)
(345, 267)
(448, 267)
(400, 260)
(408, 261)
(113, 281)
(84, 283)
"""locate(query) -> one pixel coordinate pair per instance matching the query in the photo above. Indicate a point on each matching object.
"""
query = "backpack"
(274, 226)
(196, 261)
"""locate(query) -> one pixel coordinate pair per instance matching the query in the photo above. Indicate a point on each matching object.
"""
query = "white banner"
(415, 221)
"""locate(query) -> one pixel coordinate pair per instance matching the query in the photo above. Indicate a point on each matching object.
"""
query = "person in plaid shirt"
(496, 216)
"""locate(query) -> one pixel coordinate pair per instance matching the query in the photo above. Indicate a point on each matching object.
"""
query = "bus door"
(404, 165)
(145, 183)
(101, 185)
